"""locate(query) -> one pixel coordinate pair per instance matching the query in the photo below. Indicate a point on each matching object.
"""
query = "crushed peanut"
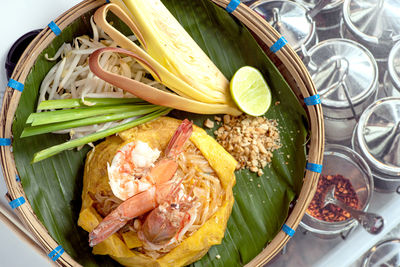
(209, 123)
(250, 140)
(227, 119)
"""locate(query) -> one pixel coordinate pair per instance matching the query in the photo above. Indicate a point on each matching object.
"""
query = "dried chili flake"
(344, 191)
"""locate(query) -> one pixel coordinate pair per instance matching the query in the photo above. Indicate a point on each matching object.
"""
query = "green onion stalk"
(51, 151)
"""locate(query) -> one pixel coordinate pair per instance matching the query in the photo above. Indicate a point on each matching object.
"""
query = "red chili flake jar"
(344, 191)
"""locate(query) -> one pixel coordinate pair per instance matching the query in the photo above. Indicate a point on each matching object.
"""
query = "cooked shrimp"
(129, 209)
(133, 171)
(128, 167)
(168, 222)
(159, 190)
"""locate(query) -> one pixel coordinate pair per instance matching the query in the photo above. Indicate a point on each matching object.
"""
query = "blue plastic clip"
(312, 100)
(5, 142)
(314, 167)
(17, 178)
(17, 202)
(278, 45)
(289, 231)
(233, 4)
(56, 253)
(107, 1)
(53, 26)
(16, 85)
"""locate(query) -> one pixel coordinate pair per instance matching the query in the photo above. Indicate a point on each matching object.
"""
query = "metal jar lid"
(345, 74)
(394, 64)
(289, 19)
(386, 253)
(327, 15)
(373, 21)
(378, 135)
(312, 3)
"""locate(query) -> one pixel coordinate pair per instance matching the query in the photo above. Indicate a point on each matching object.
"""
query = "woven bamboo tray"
(286, 60)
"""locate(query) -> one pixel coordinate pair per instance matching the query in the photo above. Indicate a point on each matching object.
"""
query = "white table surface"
(19, 17)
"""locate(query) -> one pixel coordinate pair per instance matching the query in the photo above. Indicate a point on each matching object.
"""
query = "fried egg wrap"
(125, 247)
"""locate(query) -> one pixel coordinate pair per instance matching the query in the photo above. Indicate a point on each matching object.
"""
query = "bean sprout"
(72, 78)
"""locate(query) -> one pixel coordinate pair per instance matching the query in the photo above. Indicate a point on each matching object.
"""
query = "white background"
(18, 17)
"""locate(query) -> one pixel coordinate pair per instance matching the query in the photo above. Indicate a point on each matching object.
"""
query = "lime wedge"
(250, 91)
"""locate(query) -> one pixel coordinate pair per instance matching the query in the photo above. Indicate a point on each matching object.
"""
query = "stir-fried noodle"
(202, 189)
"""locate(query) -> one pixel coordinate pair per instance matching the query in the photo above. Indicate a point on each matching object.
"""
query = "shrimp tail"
(111, 224)
(181, 135)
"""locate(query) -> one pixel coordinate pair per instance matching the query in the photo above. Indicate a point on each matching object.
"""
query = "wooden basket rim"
(250, 19)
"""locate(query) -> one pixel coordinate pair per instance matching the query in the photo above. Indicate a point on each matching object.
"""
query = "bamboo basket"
(287, 62)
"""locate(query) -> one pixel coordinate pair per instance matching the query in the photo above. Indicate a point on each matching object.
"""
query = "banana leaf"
(53, 187)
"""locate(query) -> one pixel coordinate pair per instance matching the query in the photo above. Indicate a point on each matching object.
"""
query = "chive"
(48, 128)
(51, 151)
(80, 113)
(77, 102)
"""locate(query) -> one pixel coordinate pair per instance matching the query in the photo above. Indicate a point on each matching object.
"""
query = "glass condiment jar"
(377, 139)
(385, 253)
(247, 2)
(341, 160)
(290, 19)
(346, 77)
(391, 83)
(373, 23)
(328, 19)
